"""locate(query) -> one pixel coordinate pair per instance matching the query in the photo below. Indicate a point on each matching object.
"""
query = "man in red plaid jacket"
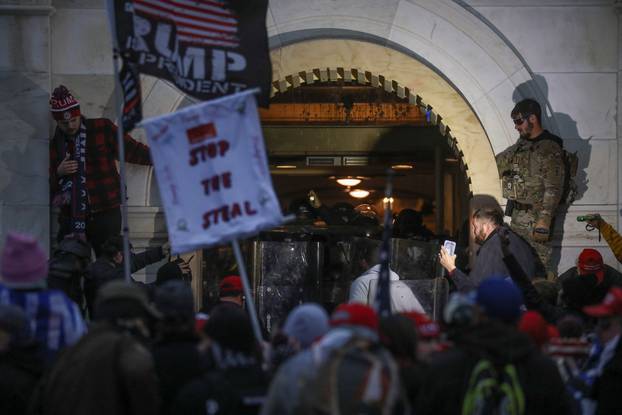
(84, 181)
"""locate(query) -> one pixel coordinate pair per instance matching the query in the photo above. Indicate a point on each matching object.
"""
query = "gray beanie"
(306, 323)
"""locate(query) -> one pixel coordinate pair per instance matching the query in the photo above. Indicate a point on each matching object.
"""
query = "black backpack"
(493, 390)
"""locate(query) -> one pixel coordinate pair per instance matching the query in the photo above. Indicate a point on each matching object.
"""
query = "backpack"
(358, 378)
(493, 391)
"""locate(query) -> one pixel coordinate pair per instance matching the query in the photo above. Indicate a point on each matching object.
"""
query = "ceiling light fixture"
(285, 166)
(348, 181)
(402, 166)
(359, 193)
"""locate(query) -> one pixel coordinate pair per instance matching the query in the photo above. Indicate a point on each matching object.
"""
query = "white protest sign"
(212, 171)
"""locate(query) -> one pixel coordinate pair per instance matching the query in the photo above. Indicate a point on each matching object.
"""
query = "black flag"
(207, 48)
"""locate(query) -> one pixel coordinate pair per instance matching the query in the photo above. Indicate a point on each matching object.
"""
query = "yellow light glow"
(285, 166)
(388, 200)
(359, 193)
(348, 181)
(402, 166)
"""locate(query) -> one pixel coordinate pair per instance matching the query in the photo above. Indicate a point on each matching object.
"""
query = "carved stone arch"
(391, 86)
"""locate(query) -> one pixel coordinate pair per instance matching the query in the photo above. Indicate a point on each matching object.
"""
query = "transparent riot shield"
(432, 294)
(415, 260)
(285, 273)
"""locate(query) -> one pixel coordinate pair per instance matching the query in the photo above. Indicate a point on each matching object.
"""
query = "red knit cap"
(63, 105)
(354, 314)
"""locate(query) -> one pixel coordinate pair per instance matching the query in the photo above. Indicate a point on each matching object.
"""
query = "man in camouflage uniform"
(532, 173)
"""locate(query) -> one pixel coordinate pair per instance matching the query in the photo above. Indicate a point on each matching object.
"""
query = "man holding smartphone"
(487, 224)
(84, 182)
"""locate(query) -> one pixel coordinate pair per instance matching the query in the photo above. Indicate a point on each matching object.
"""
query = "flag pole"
(383, 294)
(120, 133)
(118, 92)
(250, 304)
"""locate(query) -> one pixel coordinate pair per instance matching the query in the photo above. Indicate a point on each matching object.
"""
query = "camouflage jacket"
(532, 172)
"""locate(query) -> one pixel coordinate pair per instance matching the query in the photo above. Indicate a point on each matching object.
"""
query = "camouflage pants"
(522, 223)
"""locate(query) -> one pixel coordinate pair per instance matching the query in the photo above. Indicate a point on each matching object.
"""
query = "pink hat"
(23, 263)
(63, 105)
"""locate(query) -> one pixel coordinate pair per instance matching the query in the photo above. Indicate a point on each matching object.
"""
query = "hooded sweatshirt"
(449, 372)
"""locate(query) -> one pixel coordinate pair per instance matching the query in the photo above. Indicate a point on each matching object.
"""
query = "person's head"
(230, 336)
(609, 315)
(112, 249)
(408, 222)
(230, 290)
(23, 264)
(14, 328)
(302, 209)
(526, 116)
(173, 299)
(428, 333)
(344, 211)
(399, 335)
(590, 261)
(70, 259)
(66, 110)
(305, 324)
(355, 315)
(548, 290)
(125, 306)
(499, 299)
(169, 272)
(484, 221)
(533, 324)
(570, 326)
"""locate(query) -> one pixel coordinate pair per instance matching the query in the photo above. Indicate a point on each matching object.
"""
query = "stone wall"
(479, 56)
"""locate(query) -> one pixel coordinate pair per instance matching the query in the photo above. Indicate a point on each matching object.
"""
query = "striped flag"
(207, 48)
(208, 22)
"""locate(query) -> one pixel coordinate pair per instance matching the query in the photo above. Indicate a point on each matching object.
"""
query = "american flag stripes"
(207, 48)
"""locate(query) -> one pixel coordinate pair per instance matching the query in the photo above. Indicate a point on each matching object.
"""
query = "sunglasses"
(519, 121)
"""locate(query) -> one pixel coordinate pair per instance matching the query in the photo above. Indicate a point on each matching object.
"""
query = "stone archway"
(361, 77)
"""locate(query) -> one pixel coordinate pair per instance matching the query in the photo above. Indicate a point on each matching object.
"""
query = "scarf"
(73, 187)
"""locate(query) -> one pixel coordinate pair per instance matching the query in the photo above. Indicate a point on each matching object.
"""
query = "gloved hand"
(540, 234)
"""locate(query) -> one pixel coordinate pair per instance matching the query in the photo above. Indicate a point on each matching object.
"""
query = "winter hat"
(174, 300)
(23, 262)
(119, 299)
(591, 262)
(14, 321)
(611, 305)
(499, 299)
(306, 323)
(63, 105)
(426, 327)
(168, 272)
(532, 324)
(354, 314)
(230, 286)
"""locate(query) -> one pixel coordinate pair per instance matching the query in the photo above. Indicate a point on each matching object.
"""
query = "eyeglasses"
(519, 121)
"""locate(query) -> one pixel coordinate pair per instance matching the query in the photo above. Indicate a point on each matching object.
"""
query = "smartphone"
(450, 247)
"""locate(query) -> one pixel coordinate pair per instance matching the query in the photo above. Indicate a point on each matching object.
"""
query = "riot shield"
(415, 260)
(285, 273)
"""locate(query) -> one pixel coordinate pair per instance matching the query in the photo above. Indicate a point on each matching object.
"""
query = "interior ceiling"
(321, 150)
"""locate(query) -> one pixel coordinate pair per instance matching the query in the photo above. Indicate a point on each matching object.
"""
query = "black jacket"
(448, 374)
(608, 386)
(20, 370)
(489, 260)
(103, 270)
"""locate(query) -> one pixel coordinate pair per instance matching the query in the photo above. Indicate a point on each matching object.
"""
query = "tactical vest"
(523, 184)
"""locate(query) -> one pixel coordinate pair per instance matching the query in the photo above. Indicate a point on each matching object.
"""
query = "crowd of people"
(76, 338)
(506, 342)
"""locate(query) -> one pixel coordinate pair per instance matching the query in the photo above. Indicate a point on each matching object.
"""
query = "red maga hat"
(231, 285)
(591, 262)
(611, 305)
